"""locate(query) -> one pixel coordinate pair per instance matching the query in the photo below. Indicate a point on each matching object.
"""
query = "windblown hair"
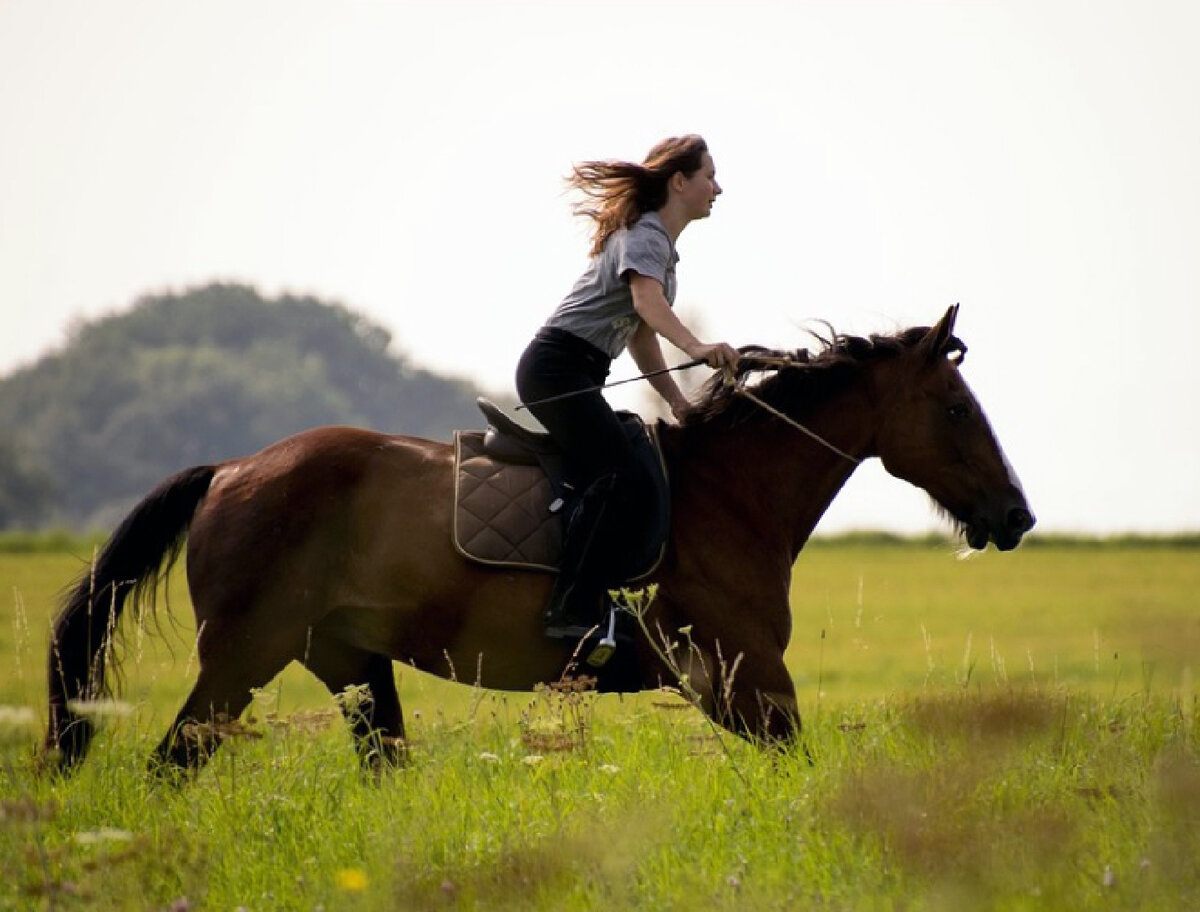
(795, 381)
(618, 193)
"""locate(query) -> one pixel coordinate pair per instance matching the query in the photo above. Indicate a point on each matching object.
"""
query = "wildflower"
(610, 769)
(533, 760)
(262, 696)
(489, 757)
(100, 708)
(16, 716)
(351, 880)
(104, 834)
(354, 699)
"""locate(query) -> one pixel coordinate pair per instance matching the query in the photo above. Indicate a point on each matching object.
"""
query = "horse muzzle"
(1004, 527)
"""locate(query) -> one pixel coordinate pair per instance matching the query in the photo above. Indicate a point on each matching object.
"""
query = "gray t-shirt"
(599, 308)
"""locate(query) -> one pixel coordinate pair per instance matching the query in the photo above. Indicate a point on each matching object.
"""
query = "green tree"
(26, 491)
(201, 376)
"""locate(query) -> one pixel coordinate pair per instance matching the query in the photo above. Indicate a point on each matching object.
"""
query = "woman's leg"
(600, 465)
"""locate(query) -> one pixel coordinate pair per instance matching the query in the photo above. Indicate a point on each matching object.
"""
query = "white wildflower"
(104, 834)
(100, 708)
(17, 716)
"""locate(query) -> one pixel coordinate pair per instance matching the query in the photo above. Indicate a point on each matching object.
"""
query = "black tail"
(139, 553)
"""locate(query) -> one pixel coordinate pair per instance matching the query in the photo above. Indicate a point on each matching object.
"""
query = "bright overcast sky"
(1037, 161)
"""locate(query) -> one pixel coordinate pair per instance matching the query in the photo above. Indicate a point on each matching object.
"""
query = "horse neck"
(773, 475)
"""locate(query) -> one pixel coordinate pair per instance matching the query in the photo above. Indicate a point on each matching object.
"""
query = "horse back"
(312, 504)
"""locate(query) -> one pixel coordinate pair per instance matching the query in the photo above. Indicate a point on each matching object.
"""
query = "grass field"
(1010, 731)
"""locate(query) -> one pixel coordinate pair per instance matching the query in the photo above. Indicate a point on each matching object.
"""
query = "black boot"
(574, 609)
(576, 601)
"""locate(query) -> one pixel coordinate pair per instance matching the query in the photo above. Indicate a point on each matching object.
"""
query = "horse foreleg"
(756, 699)
(365, 687)
(768, 716)
(753, 697)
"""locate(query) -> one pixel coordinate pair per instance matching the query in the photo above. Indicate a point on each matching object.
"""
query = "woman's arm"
(652, 306)
(647, 355)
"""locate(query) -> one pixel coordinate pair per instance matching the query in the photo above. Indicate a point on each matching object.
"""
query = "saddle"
(511, 501)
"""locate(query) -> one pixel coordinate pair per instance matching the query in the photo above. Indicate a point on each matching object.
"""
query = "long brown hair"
(618, 193)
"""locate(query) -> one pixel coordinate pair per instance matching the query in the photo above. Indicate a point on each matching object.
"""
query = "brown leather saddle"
(511, 503)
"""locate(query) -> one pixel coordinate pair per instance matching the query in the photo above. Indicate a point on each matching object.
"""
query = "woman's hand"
(718, 355)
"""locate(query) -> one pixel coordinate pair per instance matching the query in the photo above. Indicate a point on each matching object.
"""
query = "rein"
(604, 386)
(739, 388)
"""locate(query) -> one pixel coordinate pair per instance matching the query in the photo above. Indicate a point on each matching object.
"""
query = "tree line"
(192, 377)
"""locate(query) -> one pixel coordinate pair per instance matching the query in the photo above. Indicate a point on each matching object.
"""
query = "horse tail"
(135, 559)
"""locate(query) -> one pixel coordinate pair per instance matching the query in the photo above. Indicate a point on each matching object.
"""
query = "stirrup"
(603, 651)
(599, 654)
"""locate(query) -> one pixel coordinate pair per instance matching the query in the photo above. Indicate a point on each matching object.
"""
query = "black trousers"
(587, 429)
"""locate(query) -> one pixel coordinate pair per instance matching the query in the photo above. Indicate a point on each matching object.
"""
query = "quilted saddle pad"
(502, 512)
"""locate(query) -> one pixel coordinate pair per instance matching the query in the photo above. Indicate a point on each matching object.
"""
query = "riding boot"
(575, 603)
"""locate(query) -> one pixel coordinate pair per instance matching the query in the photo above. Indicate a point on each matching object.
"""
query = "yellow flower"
(352, 880)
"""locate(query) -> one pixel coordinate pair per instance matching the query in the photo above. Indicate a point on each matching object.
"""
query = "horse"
(333, 548)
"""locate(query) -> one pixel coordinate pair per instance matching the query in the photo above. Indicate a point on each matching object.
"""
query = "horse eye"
(960, 411)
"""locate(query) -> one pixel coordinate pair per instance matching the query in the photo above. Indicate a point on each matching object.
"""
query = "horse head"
(934, 434)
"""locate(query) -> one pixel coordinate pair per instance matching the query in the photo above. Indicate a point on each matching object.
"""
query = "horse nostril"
(1020, 520)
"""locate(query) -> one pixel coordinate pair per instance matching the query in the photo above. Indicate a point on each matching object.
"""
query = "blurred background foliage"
(192, 377)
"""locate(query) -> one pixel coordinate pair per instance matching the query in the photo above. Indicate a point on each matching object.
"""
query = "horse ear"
(936, 341)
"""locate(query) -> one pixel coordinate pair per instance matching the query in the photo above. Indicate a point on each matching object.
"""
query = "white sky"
(1037, 161)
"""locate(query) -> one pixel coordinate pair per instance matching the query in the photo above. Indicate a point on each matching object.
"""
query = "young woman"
(623, 300)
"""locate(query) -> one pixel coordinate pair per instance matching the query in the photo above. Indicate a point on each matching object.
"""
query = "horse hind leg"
(235, 660)
(364, 685)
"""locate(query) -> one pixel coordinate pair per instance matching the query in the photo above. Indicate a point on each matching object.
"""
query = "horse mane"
(797, 380)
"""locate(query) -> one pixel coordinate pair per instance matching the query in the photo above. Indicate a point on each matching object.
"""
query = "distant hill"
(194, 377)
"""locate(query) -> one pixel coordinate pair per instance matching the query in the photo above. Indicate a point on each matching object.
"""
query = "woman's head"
(618, 193)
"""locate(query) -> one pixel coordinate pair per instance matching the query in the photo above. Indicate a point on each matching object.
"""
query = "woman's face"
(699, 190)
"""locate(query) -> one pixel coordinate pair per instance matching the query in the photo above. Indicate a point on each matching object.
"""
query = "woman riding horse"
(623, 300)
(334, 548)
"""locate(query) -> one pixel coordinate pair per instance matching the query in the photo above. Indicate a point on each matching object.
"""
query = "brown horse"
(333, 548)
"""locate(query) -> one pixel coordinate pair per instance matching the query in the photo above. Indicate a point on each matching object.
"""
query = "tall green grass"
(1008, 732)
